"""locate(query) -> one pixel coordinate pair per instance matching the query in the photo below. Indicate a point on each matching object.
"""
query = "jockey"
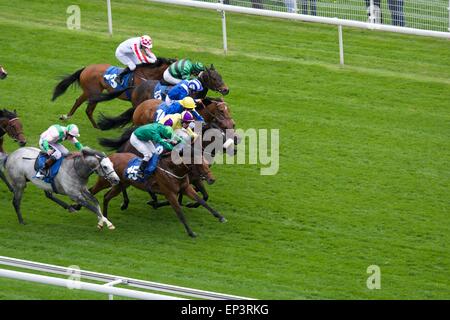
(182, 69)
(50, 143)
(183, 89)
(183, 122)
(145, 137)
(187, 104)
(135, 51)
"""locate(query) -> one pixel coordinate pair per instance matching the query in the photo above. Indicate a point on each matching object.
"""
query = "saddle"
(111, 75)
(132, 168)
(54, 169)
(161, 90)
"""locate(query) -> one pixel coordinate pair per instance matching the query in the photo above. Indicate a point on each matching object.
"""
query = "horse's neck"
(3, 123)
(80, 166)
(201, 94)
(177, 169)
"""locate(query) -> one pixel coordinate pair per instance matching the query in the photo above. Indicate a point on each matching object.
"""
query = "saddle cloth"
(51, 174)
(132, 168)
(110, 76)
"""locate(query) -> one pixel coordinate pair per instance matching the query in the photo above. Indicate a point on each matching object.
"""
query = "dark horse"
(3, 73)
(210, 79)
(91, 81)
(169, 179)
(10, 124)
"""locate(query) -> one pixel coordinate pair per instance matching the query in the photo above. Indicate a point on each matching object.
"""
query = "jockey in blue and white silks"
(178, 107)
(183, 89)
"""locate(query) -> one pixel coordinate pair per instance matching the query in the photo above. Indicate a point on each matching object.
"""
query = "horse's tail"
(66, 82)
(108, 96)
(3, 158)
(115, 144)
(106, 123)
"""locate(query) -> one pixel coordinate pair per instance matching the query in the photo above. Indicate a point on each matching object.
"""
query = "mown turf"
(364, 153)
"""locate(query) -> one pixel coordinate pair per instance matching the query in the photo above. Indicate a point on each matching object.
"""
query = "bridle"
(11, 129)
(98, 168)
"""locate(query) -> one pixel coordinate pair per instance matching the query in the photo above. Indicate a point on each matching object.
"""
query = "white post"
(371, 12)
(341, 46)
(108, 3)
(110, 284)
(296, 6)
(224, 30)
(448, 15)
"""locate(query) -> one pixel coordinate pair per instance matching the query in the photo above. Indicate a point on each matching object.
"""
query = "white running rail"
(108, 280)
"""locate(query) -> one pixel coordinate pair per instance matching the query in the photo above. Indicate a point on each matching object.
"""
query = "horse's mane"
(158, 63)
(208, 100)
(7, 114)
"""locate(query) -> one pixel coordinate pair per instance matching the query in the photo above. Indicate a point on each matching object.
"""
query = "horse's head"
(99, 163)
(199, 167)
(3, 73)
(10, 123)
(213, 80)
(217, 113)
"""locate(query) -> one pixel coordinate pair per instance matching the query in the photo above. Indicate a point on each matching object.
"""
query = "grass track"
(364, 156)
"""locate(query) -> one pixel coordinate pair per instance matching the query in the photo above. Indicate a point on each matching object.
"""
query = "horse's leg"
(112, 193)
(18, 193)
(3, 177)
(81, 99)
(126, 200)
(190, 192)
(90, 113)
(83, 199)
(199, 187)
(50, 195)
(172, 198)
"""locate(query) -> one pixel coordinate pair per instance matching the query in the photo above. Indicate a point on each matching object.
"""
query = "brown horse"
(3, 73)
(210, 79)
(168, 179)
(213, 110)
(10, 124)
(92, 83)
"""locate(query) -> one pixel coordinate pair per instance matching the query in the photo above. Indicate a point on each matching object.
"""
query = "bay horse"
(168, 179)
(210, 79)
(3, 73)
(71, 179)
(10, 124)
(91, 81)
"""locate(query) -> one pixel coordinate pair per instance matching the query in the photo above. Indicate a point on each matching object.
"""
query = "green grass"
(364, 155)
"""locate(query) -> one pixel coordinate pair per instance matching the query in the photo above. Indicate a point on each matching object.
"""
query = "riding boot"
(44, 170)
(122, 74)
(142, 168)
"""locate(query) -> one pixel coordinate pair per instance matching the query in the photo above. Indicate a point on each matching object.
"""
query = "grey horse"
(71, 179)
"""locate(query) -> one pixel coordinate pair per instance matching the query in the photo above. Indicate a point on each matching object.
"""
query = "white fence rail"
(108, 282)
(369, 22)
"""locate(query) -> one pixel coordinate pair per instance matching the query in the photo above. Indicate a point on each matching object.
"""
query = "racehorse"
(10, 124)
(71, 180)
(91, 81)
(213, 110)
(3, 73)
(168, 179)
(210, 79)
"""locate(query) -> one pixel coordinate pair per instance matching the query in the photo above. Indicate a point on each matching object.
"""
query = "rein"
(173, 174)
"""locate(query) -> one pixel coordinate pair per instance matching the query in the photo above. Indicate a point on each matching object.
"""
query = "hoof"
(192, 234)
(111, 227)
(23, 223)
(222, 220)
(99, 227)
(124, 206)
(63, 117)
(71, 209)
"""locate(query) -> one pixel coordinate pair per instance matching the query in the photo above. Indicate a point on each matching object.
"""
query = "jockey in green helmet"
(183, 69)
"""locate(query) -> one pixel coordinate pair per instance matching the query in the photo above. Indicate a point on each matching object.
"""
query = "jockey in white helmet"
(135, 51)
(50, 143)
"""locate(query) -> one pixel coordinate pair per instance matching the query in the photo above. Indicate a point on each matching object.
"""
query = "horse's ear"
(212, 67)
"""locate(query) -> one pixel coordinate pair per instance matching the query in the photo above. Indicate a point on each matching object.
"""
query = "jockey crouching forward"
(50, 143)
(135, 51)
(144, 138)
(183, 89)
(187, 104)
(182, 69)
(182, 124)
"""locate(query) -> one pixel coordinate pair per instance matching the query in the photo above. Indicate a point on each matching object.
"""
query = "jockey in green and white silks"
(50, 143)
(144, 138)
(183, 69)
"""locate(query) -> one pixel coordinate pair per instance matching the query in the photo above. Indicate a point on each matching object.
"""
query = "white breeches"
(58, 149)
(128, 59)
(147, 148)
(169, 78)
